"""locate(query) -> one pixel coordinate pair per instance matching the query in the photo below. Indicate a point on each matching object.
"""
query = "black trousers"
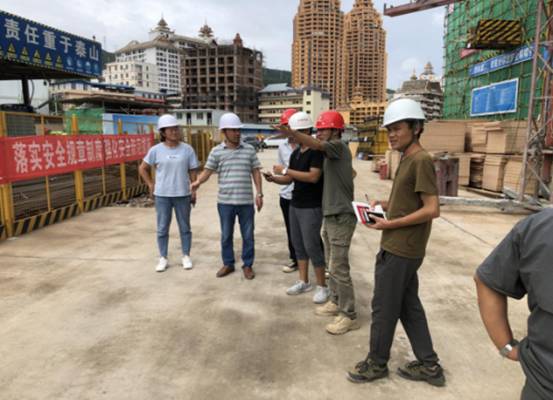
(285, 207)
(396, 297)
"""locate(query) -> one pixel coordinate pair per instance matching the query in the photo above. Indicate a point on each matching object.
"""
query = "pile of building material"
(448, 136)
(476, 169)
(489, 152)
(513, 176)
(494, 171)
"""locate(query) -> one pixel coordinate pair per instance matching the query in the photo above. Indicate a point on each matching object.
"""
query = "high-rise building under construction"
(318, 27)
(363, 61)
(340, 54)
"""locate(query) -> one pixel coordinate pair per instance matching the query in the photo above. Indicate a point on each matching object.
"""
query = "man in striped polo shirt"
(235, 163)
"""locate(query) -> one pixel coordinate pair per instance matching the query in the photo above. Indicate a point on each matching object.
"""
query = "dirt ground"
(84, 316)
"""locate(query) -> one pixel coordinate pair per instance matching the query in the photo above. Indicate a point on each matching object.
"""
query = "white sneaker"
(162, 264)
(186, 262)
(298, 288)
(321, 295)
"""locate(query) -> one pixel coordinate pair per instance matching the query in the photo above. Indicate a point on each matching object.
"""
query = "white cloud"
(411, 63)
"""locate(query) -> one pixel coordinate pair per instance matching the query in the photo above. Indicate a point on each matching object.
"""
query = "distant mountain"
(276, 76)
(107, 57)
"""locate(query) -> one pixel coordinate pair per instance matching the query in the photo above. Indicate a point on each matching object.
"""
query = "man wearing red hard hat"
(339, 218)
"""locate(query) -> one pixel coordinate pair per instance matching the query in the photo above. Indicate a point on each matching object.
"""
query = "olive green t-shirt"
(338, 179)
(415, 175)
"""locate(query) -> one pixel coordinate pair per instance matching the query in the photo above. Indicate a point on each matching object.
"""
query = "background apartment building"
(316, 54)
(425, 89)
(140, 75)
(224, 76)
(363, 62)
(341, 54)
(276, 98)
(165, 50)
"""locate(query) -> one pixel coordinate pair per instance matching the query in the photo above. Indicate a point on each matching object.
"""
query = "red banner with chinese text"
(36, 156)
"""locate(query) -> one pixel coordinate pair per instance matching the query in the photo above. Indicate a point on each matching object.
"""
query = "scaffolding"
(533, 73)
(536, 158)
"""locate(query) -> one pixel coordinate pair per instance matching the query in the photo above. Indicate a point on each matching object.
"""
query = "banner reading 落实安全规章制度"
(35, 156)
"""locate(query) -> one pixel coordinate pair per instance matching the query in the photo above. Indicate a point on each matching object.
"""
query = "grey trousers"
(337, 232)
(305, 229)
(396, 297)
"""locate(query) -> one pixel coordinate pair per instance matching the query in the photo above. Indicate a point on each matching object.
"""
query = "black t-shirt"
(307, 195)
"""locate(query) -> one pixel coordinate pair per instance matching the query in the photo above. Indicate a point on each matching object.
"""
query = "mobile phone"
(370, 214)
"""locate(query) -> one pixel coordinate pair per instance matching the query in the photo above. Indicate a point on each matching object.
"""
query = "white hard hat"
(230, 121)
(300, 120)
(402, 109)
(166, 121)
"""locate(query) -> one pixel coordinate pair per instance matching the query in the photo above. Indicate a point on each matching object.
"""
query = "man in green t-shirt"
(338, 219)
(412, 205)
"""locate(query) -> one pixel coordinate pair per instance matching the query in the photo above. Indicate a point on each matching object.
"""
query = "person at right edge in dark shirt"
(522, 264)
(413, 204)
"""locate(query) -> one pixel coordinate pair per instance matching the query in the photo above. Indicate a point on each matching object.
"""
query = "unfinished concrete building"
(316, 49)
(222, 76)
(363, 60)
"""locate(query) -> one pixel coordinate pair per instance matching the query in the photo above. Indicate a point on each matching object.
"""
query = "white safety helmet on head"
(230, 121)
(300, 120)
(166, 121)
(402, 109)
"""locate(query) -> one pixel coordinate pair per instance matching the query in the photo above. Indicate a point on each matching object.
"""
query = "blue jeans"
(164, 211)
(227, 216)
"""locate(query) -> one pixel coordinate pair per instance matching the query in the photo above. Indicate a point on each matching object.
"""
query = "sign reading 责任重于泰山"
(32, 43)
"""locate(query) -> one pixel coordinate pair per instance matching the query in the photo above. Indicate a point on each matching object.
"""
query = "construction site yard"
(85, 316)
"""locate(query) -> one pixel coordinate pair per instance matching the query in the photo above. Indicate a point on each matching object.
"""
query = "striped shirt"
(234, 168)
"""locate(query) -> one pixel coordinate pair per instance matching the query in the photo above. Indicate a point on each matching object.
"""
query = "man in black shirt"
(305, 210)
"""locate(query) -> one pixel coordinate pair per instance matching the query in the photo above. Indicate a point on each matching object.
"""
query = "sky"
(266, 25)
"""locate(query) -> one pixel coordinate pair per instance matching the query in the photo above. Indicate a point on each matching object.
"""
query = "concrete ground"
(84, 316)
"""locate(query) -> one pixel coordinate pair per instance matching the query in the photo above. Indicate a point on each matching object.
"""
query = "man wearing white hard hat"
(411, 207)
(236, 163)
(175, 165)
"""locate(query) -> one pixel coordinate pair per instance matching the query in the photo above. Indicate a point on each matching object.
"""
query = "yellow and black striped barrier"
(38, 221)
(110, 198)
(30, 224)
(136, 191)
(102, 201)
(496, 34)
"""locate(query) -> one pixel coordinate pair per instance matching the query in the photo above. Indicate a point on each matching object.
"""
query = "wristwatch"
(285, 171)
(260, 195)
(505, 350)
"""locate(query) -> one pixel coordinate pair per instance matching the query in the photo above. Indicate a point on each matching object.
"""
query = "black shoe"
(417, 371)
(367, 371)
(292, 266)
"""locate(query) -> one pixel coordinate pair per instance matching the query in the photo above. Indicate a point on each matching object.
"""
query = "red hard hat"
(286, 115)
(330, 119)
